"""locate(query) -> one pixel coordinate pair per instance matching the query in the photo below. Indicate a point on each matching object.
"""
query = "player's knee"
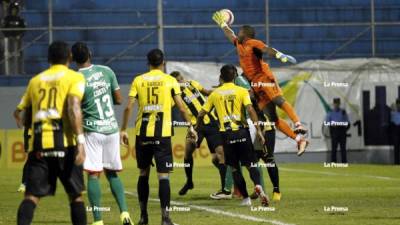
(75, 198)
(94, 175)
(236, 174)
(144, 172)
(188, 154)
(163, 176)
(215, 160)
(219, 152)
(111, 173)
(269, 159)
(279, 100)
(32, 198)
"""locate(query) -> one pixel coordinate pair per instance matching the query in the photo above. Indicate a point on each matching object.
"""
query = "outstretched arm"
(272, 52)
(219, 20)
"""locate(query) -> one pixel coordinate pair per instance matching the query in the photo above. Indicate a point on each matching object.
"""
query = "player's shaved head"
(80, 52)
(59, 53)
(178, 76)
(249, 31)
(228, 73)
(155, 57)
(245, 32)
(175, 74)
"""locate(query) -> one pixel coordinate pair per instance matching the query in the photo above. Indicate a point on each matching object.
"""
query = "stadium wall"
(307, 29)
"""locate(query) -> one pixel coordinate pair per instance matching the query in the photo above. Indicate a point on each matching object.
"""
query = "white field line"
(219, 212)
(338, 174)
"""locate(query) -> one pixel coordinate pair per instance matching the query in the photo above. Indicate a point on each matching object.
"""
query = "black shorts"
(41, 173)
(238, 148)
(160, 148)
(212, 135)
(267, 154)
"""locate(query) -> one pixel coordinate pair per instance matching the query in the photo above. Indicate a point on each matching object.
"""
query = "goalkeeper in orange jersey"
(263, 82)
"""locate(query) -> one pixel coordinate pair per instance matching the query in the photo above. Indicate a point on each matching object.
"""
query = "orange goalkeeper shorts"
(265, 88)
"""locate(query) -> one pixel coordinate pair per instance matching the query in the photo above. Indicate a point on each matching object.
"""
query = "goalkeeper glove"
(219, 19)
(285, 58)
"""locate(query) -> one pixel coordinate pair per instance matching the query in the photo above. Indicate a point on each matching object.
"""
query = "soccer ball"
(228, 16)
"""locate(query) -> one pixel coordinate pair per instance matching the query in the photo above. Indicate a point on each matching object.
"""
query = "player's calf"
(26, 210)
(143, 190)
(77, 210)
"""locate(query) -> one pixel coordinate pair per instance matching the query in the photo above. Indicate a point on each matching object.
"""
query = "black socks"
(78, 213)
(255, 175)
(222, 174)
(25, 212)
(189, 170)
(240, 183)
(274, 176)
(164, 192)
(143, 193)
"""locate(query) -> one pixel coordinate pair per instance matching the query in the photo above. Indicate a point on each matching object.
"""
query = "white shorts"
(252, 129)
(253, 133)
(102, 151)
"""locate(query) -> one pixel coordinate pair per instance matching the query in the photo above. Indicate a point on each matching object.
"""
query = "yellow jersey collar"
(58, 67)
(230, 84)
(156, 71)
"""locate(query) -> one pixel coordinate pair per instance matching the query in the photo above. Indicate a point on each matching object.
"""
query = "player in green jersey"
(101, 130)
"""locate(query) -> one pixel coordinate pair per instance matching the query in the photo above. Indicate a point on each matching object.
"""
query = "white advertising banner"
(366, 87)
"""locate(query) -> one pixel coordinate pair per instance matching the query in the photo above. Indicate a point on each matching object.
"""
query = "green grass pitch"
(371, 193)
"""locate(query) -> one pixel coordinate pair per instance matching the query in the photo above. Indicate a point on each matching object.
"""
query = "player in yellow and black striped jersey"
(57, 138)
(229, 101)
(155, 92)
(193, 95)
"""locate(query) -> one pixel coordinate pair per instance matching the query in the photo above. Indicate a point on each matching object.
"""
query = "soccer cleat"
(299, 129)
(246, 202)
(100, 222)
(186, 188)
(144, 220)
(22, 188)
(221, 195)
(276, 196)
(126, 219)
(167, 221)
(301, 146)
(263, 197)
(254, 195)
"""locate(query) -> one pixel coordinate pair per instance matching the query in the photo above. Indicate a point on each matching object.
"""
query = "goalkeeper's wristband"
(223, 25)
(278, 55)
(80, 139)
